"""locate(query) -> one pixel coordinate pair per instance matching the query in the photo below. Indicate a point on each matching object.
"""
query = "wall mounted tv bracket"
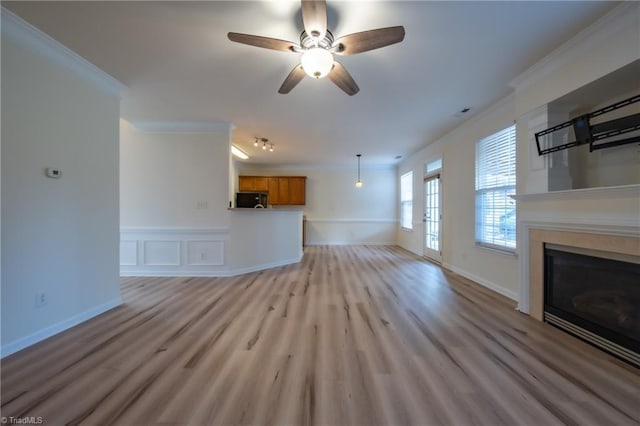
(586, 133)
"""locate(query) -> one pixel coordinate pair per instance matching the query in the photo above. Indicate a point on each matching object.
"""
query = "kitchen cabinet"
(283, 190)
(287, 190)
(297, 193)
(253, 183)
(274, 191)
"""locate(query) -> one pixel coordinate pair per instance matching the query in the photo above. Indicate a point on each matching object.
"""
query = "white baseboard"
(47, 332)
(492, 286)
(212, 274)
(239, 271)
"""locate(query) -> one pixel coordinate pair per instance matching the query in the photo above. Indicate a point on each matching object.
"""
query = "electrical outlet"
(41, 300)
(202, 205)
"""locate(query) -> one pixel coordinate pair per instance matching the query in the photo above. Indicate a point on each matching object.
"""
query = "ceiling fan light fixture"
(317, 62)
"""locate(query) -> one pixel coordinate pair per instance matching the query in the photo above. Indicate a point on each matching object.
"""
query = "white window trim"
(402, 201)
(492, 150)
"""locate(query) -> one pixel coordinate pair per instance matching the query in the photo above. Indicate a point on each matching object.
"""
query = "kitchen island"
(264, 238)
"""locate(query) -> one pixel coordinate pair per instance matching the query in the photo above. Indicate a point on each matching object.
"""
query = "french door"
(432, 217)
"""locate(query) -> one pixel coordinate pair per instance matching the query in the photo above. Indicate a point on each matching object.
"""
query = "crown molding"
(622, 16)
(21, 31)
(262, 167)
(182, 126)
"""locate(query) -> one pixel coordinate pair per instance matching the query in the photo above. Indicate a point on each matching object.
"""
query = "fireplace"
(597, 222)
(595, 296)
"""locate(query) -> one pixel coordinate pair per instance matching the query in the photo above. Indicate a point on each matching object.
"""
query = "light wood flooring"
(353, 335)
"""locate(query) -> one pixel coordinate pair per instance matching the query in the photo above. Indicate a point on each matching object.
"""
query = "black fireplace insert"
(595, 298)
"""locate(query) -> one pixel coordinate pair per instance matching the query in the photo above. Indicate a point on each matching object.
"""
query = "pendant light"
(359, 182)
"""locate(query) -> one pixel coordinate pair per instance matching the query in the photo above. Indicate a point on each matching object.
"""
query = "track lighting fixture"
(265, 144)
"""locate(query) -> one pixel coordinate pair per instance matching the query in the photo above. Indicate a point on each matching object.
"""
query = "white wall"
(608, 45)
(339, 213)
(59, 236)
(611, 43)
(174, 195)
(610, 166)
(173, 179)
(264, 238)
(459, 251)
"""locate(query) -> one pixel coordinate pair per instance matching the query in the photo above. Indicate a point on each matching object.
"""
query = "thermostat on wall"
(53, 172)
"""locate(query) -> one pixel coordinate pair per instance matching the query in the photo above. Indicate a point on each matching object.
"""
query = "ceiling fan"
(318, 46)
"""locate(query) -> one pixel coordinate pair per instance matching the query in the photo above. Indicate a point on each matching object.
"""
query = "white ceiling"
(178, 65)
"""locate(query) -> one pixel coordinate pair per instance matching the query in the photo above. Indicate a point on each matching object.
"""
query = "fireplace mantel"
(585, 193)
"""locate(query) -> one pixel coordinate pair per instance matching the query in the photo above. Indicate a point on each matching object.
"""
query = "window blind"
(495, 182)
(406, 200)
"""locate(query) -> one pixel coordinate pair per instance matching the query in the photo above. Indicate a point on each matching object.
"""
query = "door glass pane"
(432, 213)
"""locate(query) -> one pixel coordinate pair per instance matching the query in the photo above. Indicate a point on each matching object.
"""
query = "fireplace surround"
(613, 240)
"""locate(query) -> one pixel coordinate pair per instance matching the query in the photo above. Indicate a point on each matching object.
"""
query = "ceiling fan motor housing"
(307, 41)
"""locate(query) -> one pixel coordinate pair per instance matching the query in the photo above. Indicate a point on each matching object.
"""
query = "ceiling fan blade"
(341, 77)
(292, 80)
(264, 42)
(368, 40)
(314, 17)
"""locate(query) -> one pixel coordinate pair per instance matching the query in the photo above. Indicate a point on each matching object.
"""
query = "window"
(432, 166)
(495, 182)
(406, 200)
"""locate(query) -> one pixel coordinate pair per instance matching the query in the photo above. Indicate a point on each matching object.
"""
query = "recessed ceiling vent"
(462, 112)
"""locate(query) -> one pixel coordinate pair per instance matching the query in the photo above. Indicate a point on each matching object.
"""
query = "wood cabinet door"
(274, 192)
(297, 191)
(261, 184)
(253, 183)
(283, 190)
(245, 183)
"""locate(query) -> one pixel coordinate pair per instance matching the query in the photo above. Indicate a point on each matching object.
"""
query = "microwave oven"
(251, 200)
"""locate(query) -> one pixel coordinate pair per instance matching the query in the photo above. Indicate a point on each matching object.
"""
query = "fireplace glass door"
(599, 295)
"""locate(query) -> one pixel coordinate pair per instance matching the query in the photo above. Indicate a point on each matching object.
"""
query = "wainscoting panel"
(350, 231)
(161, 253)
(205, 253)
(128, 253)
(173, 251)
